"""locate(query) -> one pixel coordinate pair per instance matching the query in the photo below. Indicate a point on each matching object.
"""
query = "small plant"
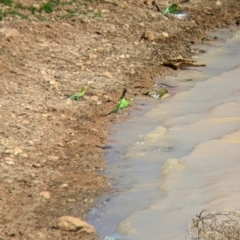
(49, 6)
(14, 13)
(7, 2)
(76, 7)
(171, 9)
(97, 14)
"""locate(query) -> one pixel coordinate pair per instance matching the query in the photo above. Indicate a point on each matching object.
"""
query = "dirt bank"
(51, 147)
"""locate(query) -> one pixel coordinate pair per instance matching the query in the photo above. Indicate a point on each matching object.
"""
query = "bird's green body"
(78, 95)
(122, 103)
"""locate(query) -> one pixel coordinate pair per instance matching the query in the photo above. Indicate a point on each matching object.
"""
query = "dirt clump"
(51, 146)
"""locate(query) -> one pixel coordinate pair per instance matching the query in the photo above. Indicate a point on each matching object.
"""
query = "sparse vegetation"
(7, 2)
(213, 226)
(97, 14)
(69, 9)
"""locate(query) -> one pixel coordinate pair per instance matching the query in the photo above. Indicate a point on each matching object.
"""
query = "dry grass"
(223, 225)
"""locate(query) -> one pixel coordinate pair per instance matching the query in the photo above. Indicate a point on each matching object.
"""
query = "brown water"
(181, 156)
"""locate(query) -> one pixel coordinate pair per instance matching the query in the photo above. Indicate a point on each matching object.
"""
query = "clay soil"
(52, 147)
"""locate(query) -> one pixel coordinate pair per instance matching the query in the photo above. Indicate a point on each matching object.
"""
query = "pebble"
(9, 162)
(148, 35)
(45, 194)
(107, 74)
(165, 34)
(68, 102)
(68, 223)
(218, 3)
(92, 56)
(148, 2)
(36, 165)
(17, 151)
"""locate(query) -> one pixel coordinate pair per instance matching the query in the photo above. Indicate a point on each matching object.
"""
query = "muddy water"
(179, 157)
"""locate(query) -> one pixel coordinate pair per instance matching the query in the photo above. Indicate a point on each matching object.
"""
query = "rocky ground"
(51, 147)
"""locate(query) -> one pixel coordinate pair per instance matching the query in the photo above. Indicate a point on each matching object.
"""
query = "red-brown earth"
(52, 147)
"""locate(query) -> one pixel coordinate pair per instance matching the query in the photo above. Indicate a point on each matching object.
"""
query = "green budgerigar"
(122, 103)
(78, 95)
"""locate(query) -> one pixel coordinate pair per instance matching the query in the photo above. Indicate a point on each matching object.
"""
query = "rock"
(17, 151)
(9, 162)
(68, 102)
(148, 2)
(107, 74)
(45, 194)
(148, 35)
(36, 165)
(92, 56)
(218, 3)
(165, 34)
(68, 223)
(25, 155)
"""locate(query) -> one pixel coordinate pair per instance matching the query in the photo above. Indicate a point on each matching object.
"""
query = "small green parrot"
(78, 95)
(122, 103)
(171, 9)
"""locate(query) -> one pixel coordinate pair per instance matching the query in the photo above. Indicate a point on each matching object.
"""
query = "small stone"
(25, 155)
(218, 3)
(107, 74)
(68, 223)
(17, 151)
(8, 151)
(92, 56)
(45, 194)
(9, 162)
(148, 35)
(64, 185)
(165, 34)
(71, 200)
(153, 15)
(68, 102)
(36, 165)
(148, 2)
(55, 158)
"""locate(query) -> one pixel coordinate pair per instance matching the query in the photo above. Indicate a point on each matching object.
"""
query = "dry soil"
(51, 147)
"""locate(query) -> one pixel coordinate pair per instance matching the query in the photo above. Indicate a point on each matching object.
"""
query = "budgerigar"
(122, 103)
(78, 95)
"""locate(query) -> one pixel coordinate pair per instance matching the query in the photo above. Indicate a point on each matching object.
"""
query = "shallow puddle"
(181, 156)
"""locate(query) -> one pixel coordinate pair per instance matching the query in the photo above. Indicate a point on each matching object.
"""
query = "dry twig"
(223, 225)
